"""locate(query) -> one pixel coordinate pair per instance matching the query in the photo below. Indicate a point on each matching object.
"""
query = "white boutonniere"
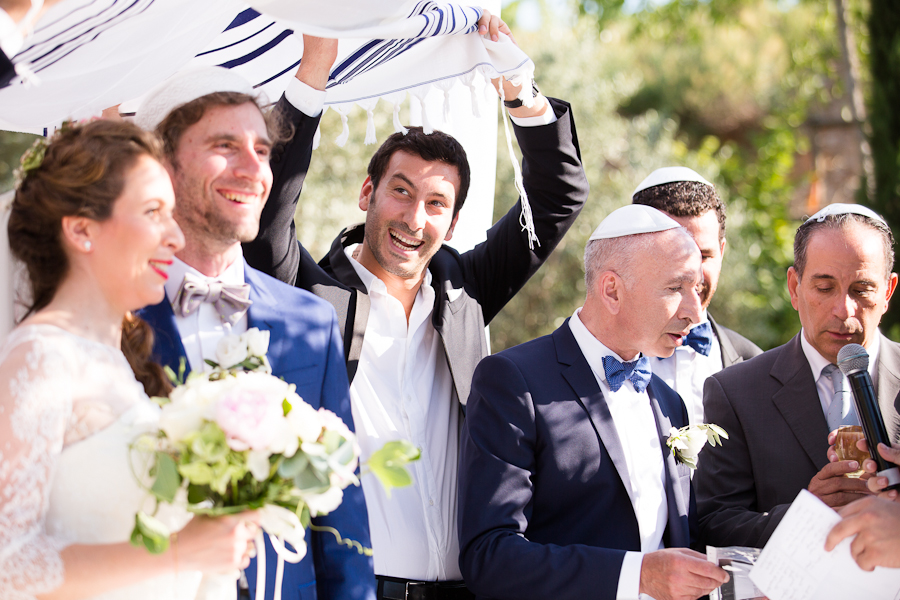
(246, 352)
(687, 442)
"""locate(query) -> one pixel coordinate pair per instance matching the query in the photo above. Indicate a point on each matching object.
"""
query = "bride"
(93, 225)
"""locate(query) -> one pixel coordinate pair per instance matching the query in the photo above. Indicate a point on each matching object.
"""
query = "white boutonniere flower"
(687, 442)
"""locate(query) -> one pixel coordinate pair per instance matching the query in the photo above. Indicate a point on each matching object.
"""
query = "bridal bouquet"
(237, 438)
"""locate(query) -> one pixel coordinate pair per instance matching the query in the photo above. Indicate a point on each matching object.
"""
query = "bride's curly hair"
(81, 173)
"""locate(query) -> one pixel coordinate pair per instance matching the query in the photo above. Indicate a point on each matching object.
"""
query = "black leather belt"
(394, 588)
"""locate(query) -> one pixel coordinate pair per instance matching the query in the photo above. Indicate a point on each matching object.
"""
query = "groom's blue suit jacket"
(305, 349)
(544, 503)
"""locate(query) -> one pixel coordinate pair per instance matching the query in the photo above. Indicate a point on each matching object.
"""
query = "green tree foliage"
(884, 61)
(12, 146)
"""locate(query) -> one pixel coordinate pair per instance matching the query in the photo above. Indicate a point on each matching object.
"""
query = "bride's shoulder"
(39, 341)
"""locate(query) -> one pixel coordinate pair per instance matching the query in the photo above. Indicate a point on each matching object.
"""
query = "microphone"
(853, 361)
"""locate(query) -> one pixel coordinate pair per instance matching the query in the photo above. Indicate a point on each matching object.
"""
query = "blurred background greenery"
(785, 105)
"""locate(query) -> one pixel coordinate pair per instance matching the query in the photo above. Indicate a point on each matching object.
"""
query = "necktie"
(842, 410)
(700, 338)
(617, 373)
(231, 301)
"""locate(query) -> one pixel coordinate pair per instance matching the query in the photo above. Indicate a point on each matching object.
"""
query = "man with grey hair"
(780, 406)
(567, 489)
(692, 201)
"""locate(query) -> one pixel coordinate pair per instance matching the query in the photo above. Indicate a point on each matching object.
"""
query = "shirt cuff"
(11, 39)
(304, 98)
(630, 576)
(548, 117)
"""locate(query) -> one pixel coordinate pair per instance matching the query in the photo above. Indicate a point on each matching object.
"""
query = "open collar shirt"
(403, 389)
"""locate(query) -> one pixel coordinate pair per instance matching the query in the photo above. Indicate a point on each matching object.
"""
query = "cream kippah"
(631, 220)
(839, 208)
(185, 86)
(670, 175)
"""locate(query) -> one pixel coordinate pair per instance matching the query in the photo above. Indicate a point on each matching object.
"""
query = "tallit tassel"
(419, 94)
(468, 80)
(526, 220)
(343, 110)
(369, 106)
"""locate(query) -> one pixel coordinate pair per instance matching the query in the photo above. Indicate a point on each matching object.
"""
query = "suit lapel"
(888, 386)
(167, 346)
(730, 356)
(580, 376)
(798, 401)
(676, 534)
(263, 314)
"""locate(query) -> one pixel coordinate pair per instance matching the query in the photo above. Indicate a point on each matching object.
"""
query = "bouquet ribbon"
(282, 525)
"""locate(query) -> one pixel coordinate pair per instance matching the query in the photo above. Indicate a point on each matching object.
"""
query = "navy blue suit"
(544, 510)
(305, 349)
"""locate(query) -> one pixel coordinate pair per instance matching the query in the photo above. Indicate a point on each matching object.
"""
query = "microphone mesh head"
(852, 358)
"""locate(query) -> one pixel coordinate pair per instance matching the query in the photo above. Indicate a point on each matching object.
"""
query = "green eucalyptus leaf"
(312, 481)
(167, 478)
(389, 464)
(149, 533)
(293, 466)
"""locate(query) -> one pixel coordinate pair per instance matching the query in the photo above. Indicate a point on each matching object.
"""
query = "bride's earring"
(87, 245)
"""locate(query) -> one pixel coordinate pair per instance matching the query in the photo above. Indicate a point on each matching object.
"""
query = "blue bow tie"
(638, 371)
(700, 338)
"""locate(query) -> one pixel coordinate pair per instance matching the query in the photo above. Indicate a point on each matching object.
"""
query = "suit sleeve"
(276, 251)
(724, 482)
(497, 471)
(342, 573)
(557, 188)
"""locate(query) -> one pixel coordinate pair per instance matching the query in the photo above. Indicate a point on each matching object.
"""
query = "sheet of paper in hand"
(795, 566)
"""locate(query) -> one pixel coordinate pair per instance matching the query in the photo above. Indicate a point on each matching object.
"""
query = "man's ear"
(365, 194)
(78, 233)
(610, 290)
(722, 248)
(793, 282)
(452, 225)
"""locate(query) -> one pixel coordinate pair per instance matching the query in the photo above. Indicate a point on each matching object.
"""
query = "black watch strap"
(517, 102)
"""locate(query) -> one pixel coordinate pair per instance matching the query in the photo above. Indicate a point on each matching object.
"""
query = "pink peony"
(248, 419)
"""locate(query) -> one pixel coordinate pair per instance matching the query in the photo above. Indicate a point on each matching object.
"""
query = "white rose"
(324, 503)
(694, 439)
(178, 420)
(258, 463)
(304, 420)
(230, 351)
(257, 341)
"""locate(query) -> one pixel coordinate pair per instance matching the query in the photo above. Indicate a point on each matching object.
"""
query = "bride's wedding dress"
(69, 408)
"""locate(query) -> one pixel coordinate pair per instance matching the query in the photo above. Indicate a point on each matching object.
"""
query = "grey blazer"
(735, 347)
(778, 440)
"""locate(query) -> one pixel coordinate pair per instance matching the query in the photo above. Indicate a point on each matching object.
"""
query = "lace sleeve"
(34, 410)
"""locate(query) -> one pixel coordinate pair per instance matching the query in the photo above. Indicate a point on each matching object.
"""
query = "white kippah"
(185, 86)
(631, 220)
(670, 175)
(839, 208)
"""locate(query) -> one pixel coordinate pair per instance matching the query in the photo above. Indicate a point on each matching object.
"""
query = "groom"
(217, 144)
(566, 487)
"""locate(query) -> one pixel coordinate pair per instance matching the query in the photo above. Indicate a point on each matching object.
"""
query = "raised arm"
(276, 250)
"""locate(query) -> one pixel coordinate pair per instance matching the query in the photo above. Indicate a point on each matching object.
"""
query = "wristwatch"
(517, 102)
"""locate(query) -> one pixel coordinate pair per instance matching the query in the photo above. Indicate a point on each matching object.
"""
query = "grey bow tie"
(231, 301)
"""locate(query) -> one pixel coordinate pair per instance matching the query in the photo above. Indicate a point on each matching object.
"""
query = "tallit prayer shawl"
(87, 55)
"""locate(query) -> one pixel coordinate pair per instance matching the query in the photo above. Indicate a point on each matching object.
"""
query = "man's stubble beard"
(197, 216)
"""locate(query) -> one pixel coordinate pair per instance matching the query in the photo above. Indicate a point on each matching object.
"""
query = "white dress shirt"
(686, 371)
(825, 385)
(636, 426)
(201, 330)
(403, 390)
